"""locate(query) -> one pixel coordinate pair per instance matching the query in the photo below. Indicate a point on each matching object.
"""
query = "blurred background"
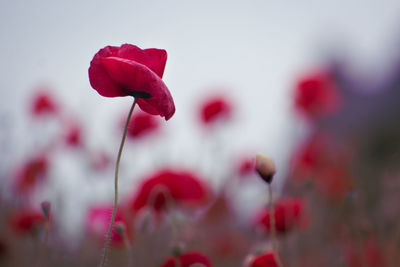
(252, 55)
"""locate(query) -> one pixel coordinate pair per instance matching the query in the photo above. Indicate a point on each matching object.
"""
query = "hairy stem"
(107, 243)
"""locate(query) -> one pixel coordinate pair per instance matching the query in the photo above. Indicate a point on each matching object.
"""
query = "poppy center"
(136, 94)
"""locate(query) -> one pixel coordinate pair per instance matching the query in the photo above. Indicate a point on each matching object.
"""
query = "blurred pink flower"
(73, 135)
(215, 108)
(142, 124)
(130, 71)
(247, 166)
(26, 221)
(266, 259)
(187, 259)
(171, 187)
(31, 173)
(288, 213)
(98, 220)
(316, 94)
(43, 104)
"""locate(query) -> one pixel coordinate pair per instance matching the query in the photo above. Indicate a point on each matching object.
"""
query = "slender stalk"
(106, 245)
(43, 251)
(272, 226)
(169, 206)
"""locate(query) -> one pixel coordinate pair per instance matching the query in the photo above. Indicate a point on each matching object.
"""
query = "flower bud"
(265, 167)
(46, 206)
(120, 228)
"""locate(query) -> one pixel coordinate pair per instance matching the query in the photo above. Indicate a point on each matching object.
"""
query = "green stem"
(104, 257)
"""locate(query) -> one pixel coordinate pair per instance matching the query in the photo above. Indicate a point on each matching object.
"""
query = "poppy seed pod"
(265, 167)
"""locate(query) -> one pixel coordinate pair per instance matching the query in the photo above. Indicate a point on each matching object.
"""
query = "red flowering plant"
(316, 94)
(142, 124)
(288, 214)
(73, 135)
(30, 174)
(27, 221)
(171, 188)
(267, 259)
(43, 103)
(97, 220)
(215, 108)
(130, 71)
(246, 166)
(347, 172)
(343, 184)
(188, 259)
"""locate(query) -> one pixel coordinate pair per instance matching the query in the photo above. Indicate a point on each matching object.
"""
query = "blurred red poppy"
(316, 94)
(26, 221)
(98, 220)
(142, 124)
(187, 260)
(129, 70)
(43, 104)
(288, 214)
(31, 173)
(247, 166)
(170, 187)
(264, 260)
(215, 108)
(73, 137)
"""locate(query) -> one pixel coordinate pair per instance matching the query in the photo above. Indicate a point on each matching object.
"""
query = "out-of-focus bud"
(146, 220)
(178, 249)
(265, 167)
(120, 228)
(46, 206)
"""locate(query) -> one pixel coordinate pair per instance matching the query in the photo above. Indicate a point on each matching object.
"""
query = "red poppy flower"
(247, 166)
(166, 186)
(31, 173)
(142, 124)
(215, 108)
(264, 260)
(288, 214)
(316, 94)
(26, 221)
(73, 137)
(43, 103)
(187, 260)
(98, 220)
(129, 70)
